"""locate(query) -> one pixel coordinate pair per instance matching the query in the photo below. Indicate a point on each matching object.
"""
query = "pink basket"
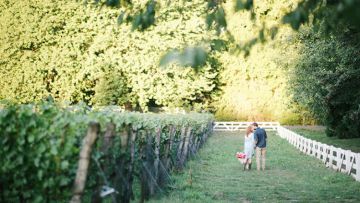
(241, 157)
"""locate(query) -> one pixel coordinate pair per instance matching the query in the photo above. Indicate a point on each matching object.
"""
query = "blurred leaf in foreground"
(191, 56)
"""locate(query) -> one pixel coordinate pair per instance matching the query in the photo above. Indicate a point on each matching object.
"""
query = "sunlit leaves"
(190, 56)
(343, 12)
(93, 59)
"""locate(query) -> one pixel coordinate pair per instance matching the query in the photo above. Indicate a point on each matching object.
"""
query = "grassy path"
(216, 176)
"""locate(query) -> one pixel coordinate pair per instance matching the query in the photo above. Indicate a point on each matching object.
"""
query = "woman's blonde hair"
(248, 130)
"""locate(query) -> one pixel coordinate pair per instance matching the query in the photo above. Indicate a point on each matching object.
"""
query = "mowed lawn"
(214, 175)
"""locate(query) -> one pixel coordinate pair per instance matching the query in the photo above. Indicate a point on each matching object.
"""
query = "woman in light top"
(249, 144)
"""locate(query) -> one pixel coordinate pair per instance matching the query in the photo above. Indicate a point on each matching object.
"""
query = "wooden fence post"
(331, 155)
(326, 154)
(349, 159)
(357, 166)
(84, 161)
(317, 150)
(340, 155)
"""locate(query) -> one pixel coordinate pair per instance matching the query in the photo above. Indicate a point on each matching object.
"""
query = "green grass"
(216, 176)
(319, 135)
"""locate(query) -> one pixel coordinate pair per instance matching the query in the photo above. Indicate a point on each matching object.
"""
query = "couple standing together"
(255, 139)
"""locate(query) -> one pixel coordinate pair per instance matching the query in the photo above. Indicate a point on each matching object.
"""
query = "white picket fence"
(339, 159)
(234, 126)
(345, 161)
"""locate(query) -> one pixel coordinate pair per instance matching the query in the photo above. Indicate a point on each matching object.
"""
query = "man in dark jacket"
(260, 145)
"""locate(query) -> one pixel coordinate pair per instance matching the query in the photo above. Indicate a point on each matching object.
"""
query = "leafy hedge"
(326, 80)
(40, 147)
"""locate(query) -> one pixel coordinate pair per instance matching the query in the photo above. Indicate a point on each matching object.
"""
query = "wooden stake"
(157, 154)
(84, 161)
(106, 145)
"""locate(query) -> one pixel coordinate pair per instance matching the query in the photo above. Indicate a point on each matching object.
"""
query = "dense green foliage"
(39, 150)
(40, 147)
(111, 55)
(326, 81)
(80, 53)
(77, 52)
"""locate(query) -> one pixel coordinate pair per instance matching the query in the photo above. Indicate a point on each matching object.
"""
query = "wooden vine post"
(180, 148)
(147, 184)
(170, 146)
(125, 165)
(199, 139)
(192, 143)
(84, 161)
(157, 155)
(186, 146)
(106, 145)
(166, 158)
(129, 192)
(120, 163)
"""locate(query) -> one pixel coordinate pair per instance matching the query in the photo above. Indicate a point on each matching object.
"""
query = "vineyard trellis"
(75, 153)
(344, 161)
(155, 163)
(46, 150)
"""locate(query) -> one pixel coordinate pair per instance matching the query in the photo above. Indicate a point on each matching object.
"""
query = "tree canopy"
(292, 61)
(78, 52)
